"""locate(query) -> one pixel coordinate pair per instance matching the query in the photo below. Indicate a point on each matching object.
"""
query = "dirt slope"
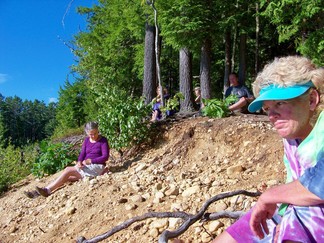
(190, 161)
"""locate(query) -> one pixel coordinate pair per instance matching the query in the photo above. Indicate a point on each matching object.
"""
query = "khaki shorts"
(91, 170)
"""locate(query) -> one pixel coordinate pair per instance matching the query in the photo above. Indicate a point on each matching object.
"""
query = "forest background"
(132, 47)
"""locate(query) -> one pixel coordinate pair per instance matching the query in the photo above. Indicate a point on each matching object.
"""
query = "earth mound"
(187, 162)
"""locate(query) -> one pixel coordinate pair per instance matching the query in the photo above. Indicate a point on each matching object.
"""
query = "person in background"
(156, 113)
(198, 102)
(290, 91)
(243, 94)
(91, 162)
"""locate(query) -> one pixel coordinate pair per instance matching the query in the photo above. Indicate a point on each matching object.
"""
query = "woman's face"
(93, 134)
(291, 118)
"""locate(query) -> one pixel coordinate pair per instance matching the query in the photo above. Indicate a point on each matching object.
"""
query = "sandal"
(42, 191)
(31, 194)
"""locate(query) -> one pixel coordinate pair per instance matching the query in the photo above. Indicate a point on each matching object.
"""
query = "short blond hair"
(290, 71)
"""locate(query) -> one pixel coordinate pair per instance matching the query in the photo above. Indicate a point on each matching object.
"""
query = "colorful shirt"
(98, 152)
(304, 161)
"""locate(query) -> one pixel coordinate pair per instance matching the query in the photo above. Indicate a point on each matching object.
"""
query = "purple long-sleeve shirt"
(98, 152)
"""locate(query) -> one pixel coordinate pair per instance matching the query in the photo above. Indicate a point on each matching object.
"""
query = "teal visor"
(274, 92)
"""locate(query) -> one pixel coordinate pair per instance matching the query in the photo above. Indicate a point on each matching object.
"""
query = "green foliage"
(122, 118)
(53, 158)
(25, 121)
(111, 52)
(71, 111)
(172, 104)
(300, 22)
(314, 47)
(218, 108)
(184, 22)
(15, 164)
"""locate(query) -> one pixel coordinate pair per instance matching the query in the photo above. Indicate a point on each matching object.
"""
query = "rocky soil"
(188, 162)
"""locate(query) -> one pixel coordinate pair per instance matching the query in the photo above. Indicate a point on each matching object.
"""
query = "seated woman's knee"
(70, 169)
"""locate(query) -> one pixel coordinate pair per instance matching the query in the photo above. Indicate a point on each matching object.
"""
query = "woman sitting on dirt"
(91, 162)
(289, 91)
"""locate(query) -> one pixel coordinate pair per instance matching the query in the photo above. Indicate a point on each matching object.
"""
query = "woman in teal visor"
(290, 91)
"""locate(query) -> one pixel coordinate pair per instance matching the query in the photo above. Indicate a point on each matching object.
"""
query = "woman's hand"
(86, 162)
(79, 164)
(261, 212)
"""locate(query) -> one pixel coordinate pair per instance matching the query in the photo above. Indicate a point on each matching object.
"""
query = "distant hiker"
(290, 90)
(156, 113)
(243, 94)
(198, 101)
(91, 162)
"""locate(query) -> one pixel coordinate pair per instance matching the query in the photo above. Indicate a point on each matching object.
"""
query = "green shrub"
(53, 158)
(217, 107)
(172, 104)
(122, 118)
(15, 164)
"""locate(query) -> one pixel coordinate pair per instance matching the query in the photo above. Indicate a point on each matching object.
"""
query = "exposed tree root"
(188, 219)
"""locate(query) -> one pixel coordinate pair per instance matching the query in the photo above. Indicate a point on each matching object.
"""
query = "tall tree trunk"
(205, 66)
(157, 50)
(149, 81)
(257, 29)
(185, 71)
(233, 48)
(242, 67)
(227, 59)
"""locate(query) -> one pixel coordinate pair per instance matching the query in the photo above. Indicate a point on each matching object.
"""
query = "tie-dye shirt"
(304, 161)
(313, 145)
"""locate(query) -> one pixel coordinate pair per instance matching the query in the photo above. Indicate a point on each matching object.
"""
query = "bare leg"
(69, 174)
(154, 115)
(224, 238)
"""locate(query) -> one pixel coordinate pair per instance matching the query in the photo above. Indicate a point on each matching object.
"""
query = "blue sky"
(34, 62)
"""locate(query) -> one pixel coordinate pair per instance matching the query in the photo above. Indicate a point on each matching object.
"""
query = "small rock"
(130, 206)
(234, 169)
(205, 237)
(159, 195)
(176, 207)
(215, 225)
(173, 223)
(158, 186)
(160, 223)
(13, 229)
(137, 198)
(220, 206)
(190, 191)
(122, 200)
(154, 232)
(172, 191)
(140, 167)
(70, 210)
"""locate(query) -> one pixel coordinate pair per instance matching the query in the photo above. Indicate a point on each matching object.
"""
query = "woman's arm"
(83, 151)
(292, 193)
(104, 147)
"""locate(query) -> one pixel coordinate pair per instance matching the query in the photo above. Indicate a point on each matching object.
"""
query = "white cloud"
(50, 100)
(3, 78)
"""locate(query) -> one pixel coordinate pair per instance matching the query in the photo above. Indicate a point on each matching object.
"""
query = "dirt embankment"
(190, 161)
